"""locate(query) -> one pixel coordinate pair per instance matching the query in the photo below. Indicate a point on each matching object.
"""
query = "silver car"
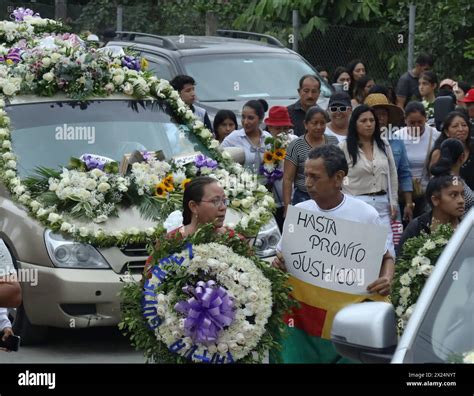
(441, 326)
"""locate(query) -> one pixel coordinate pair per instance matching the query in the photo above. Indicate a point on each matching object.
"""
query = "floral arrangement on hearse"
(78, 198)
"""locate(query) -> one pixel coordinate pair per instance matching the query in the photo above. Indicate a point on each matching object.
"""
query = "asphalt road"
(95, 345)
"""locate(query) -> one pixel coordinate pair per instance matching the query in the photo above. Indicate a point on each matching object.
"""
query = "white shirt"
(6, 268)
(417, 150)
(253, 154)
(351, 209)
(330, 132)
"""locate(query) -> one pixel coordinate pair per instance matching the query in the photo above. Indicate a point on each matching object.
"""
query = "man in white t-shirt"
(325, 170)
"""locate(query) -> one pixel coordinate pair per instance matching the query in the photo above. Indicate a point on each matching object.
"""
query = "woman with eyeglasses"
(297, 153)
(372, 175)
(204, 202)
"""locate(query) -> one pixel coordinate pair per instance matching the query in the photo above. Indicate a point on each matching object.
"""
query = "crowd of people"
(375, 155)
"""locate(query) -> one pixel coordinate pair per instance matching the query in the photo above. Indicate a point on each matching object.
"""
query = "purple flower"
(147, 155)
(20, 13)
(13, 55)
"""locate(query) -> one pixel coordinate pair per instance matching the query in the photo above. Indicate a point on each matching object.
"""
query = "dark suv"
(229, 69)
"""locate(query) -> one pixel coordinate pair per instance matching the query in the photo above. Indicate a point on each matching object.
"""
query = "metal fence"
(381, 54)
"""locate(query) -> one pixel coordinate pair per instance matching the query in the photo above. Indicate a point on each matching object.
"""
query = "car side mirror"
(366, 332)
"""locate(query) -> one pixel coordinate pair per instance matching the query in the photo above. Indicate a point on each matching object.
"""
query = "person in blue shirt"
(390, 117)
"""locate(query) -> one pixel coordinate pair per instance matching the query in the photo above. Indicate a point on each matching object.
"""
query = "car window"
(160, 66)
(241, 76)
(447, 330)
(54, 132)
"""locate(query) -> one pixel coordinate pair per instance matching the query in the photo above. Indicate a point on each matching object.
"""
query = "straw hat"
(380, 101)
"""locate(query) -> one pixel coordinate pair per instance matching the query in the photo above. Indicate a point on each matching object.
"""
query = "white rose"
(424, 261)
(109, 87)
(48, 77)
(55, 57)
(405, 292)
(9, 89)
(97, 173)
(42, 212)
(35, 205)
(222, 348)
(399, 311)
(236, 203)
(46, 61)
(189, 114)
(405, 279)
(53, 218)
(244, 279)
(3, 133)
(84, 195)
(10, 173)
(103, 187)
(8, 156)
(6, 144)
(83, 231)
(65, 227)
(118, 79)
(214, 144)
(425, 269)
(128, 89)
(11, 164)
(429, 245)
(18, 190)
(198, 124)
(205, 134)
(246, 203)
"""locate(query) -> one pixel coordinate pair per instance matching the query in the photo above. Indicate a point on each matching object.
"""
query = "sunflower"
(279, 154)
(185, 183)
(168, 183)
(268, 157)
(160, 190)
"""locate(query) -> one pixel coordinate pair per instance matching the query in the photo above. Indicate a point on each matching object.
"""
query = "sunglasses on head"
(342, 109)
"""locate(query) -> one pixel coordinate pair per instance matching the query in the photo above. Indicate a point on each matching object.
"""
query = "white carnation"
(429, 245)
(103, 187)
(11, 164)
(66, 227)
(53, 218)
(405, 280)
(405, 292)
(118, 79)
(6, 144)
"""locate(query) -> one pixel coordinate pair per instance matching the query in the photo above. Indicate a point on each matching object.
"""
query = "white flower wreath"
(246, 285)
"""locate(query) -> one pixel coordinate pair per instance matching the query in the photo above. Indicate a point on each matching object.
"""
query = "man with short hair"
(309, 89)
(340, 110)
(186, 87)
(407, 86)
(325, 170)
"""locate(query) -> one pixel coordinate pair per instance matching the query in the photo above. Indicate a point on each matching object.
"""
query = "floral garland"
(413, 269)
(51, 64)
(213, 301)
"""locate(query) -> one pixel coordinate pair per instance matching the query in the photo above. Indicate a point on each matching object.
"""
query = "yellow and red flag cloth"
(307, 339)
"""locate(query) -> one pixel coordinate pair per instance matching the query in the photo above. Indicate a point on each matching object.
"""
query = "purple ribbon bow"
(272, 176)
(92, 162)
(207, 312)
(131, 62)
(201, 161)
(20, 13)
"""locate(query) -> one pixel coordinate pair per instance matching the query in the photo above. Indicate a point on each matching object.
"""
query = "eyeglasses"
(342, 109)
(219, 201)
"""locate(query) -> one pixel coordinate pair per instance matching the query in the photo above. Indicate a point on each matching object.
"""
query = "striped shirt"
(297, 153)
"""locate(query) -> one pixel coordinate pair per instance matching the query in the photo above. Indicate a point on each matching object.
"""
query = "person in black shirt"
(309, 89)
(407, 87)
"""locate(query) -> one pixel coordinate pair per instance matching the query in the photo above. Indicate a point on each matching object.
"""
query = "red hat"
(278, 116)
(469, 98)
